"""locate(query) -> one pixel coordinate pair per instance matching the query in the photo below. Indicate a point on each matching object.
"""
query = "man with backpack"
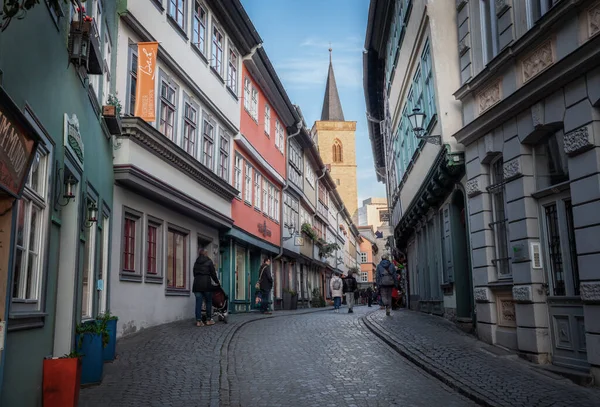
(336, 286)
(386, 280)
(350, 286)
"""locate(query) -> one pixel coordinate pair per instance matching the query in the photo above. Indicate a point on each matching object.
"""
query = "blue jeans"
(264, 304)
(337, 301)
(206, 295)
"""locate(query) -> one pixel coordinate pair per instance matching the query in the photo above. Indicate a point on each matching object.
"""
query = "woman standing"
(337, 290)
(204, 275)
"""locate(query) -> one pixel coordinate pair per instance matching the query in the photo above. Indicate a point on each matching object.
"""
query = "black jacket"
(350, 285)
(204, 270)
(266, 280)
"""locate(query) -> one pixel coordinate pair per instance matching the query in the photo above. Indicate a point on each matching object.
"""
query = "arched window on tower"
(337, 151)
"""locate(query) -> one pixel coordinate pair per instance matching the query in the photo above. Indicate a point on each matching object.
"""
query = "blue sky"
(296, 36)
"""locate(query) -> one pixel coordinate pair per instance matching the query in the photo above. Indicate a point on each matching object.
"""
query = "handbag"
(257, 285)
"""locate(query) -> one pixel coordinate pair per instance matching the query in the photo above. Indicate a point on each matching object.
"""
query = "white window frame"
(223, 164)
(232, 69)
(199, 35)
(310, 175)
(105, 267)
(91, 238)
(489, 35)
(218, 49)
(190, 128)
(276, 211)
(364, 258)
(208, 144)
(40, 200)
(254, 104)
(257, 192)
(248, 184)
(107, 61)
(247, 95)
(265, 198)
(267, 120)
(167, 105)
(239, 162)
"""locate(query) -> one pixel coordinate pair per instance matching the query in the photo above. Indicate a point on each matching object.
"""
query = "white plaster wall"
(132, 153)
(180, 49)
(141, 305)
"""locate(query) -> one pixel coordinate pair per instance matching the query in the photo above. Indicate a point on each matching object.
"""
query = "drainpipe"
(252, 52)
(324, 172)
(338, 226)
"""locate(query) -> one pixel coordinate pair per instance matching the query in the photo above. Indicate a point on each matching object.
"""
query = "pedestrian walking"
(369, 296)
(350, 286)
(337, 290)
(205, 283)
(386, 280)
(265, 284)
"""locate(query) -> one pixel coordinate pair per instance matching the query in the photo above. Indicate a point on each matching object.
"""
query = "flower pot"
(61, 381)
(83, 26)
(109, 111)
(110, 351)
(287, 301)
(295, 301)
(92, 363)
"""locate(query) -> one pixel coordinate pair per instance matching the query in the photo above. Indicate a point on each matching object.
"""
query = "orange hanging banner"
(146, 74)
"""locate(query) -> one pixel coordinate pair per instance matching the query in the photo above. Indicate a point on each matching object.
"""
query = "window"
(208, 144)
(295, 164)
(199, 27)
(290, 211)
(254, 104)
(305, 217)
(279, 136)
(337, 151)
(247, 97)
(276, 211)
(267, 120)
(223, 170)
(129, 229)
(177, 11)
(322, 193)
(310, 175)
(257, 195)
(232, 72)
(265, 200)
(538, 8)
(364, 258)
(499, 221)
(217, 50)
(89, 270)
(189, 129)
(104, 249)
(364, 277)
(107, 62)
(177, 259)
(320, 229)
(550, 159)
(248, 184)
(238, 174)
(132, 77)
(151, 246)
(31, 234)
(489, 30)
(167, 109)
(271, 210)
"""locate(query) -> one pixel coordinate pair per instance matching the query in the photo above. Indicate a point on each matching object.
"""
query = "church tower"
(336, 140)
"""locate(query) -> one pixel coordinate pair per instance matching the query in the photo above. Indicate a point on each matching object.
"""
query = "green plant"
(317, 299)
(107, 316)
(114, 101)
(327, 248)
(310, 231)
(72, 355)
(291, 292)
(18, 9)
(93, 328)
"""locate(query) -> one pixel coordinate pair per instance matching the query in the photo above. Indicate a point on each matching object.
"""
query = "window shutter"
(448, 258)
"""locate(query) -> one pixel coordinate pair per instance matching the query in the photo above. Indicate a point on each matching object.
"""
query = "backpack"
(337, 284)
(387, 279)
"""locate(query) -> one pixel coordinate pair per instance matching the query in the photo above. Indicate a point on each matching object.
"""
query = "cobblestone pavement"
(325, 359)
(175, 364)
(464, 363)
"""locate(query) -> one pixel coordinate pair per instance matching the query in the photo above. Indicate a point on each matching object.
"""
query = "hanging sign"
(146, 76)
(18, 144)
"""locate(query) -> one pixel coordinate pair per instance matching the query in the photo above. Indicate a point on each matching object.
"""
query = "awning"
(251, 240)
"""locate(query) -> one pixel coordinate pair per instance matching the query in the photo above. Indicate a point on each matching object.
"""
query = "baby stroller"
(220, 306)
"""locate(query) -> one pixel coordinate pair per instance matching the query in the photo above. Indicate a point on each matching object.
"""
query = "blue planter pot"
(110, 351)
(92, 364)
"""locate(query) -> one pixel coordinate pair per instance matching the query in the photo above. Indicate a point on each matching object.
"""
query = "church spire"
(332, 107)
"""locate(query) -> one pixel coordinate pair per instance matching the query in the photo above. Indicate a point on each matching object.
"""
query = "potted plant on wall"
(109, 323)
(111, 112)
(61, 381)
(91, 338)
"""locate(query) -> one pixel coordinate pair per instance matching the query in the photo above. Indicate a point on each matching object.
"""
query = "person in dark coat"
(265, 281)
(204, 275)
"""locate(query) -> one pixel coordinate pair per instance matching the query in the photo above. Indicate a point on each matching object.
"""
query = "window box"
(112, 119)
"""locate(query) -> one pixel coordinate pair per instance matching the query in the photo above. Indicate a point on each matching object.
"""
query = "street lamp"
(416, 120)
(291, 230)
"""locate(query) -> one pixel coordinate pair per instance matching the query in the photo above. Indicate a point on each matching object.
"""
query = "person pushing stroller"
(203, 288)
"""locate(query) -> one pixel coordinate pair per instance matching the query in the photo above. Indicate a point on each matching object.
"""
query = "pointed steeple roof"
(332, 107)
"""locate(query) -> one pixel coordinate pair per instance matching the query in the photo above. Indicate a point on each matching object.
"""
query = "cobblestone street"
(319, 358)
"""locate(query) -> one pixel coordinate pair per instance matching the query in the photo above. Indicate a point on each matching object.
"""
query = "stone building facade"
(530, 96)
